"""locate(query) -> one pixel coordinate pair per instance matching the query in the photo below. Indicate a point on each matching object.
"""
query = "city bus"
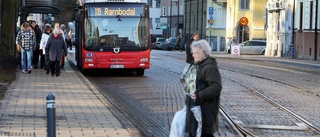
(112, 34)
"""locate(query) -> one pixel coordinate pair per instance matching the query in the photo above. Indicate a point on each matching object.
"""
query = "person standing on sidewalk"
(207, 92)
(25, 42)
(44, 39)
(54, 49)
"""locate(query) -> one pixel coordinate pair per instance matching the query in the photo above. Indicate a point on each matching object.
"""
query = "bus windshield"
(114, 26)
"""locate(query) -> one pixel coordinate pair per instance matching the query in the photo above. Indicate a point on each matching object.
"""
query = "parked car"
(253, 47)
(159, 42)
(169, 44)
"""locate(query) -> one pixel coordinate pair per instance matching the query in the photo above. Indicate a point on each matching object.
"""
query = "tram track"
(272, 101)
(277, 81)
(241, 132)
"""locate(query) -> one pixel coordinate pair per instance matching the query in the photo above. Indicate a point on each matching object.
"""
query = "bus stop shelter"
(36, 6)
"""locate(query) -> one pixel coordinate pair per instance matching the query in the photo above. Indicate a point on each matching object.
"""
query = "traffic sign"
(243, 21)
(235, 49)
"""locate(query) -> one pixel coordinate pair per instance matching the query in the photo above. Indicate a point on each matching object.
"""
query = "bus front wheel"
(140, 72)
(84, 71)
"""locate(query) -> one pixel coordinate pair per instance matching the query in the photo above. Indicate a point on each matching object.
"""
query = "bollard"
(51, 116)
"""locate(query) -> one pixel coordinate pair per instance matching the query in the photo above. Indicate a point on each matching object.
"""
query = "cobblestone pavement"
(81, 110)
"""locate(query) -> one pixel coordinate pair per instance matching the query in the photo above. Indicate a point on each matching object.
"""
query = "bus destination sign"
(115, 11)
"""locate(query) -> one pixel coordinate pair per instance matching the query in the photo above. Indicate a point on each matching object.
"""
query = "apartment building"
(306, 39)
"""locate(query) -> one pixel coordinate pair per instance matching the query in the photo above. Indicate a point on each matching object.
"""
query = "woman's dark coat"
(208, 89)
(55, 47)
(189, 58)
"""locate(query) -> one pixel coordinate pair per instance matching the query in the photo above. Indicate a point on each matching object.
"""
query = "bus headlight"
(144, 59)
(88, 60)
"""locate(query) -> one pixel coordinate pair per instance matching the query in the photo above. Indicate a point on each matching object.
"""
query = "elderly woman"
(207, 92)
(54, 50)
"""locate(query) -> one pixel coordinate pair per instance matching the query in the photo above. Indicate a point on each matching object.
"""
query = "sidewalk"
(81, 110)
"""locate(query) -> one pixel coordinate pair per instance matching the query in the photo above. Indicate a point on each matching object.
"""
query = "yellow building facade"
(227, 25)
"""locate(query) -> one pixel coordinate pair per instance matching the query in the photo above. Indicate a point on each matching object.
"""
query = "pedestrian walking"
(177, 44)
(25, 42)
(36, 50)
(54, 49)
(67, 37)
(18, 48)
(207, 91)
(44, 39)
(57, 26)
(71, 39)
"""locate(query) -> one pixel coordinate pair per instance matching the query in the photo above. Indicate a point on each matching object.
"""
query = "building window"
(150, 3)
(244, 4)
(158, 3)
(301, 16)
(157, 21)
(311, 14)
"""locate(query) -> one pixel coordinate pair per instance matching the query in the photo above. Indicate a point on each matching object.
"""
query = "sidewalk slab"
(81, 110)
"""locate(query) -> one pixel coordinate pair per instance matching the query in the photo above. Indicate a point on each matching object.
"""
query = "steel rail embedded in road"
(236, 127)
(285, 109)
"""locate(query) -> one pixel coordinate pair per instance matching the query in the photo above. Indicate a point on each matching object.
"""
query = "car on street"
(253, 47)
(159, 42)
(169, 44)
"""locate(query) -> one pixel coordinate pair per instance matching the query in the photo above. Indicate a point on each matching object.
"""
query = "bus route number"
(97, 11)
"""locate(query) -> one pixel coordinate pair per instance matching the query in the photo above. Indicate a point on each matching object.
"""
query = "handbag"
(178, 123)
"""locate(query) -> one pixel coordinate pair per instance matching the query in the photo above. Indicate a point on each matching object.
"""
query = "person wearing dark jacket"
(207, 91)
(54, 50)
(36, 50)
(194, 37)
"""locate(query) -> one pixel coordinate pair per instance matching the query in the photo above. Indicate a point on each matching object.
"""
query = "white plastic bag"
(197, 114)
(178, 123)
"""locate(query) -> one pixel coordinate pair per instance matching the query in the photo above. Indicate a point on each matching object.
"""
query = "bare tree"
(8, 24)
(67, 10)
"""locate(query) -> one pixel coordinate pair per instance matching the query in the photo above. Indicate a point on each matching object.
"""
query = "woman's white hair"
(56, 31)
(203, 46)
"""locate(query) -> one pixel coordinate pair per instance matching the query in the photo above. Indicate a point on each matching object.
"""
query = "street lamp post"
(178, 16)
(170, 19)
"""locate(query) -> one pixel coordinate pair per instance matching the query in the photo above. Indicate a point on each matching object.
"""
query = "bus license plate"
(116, 66)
